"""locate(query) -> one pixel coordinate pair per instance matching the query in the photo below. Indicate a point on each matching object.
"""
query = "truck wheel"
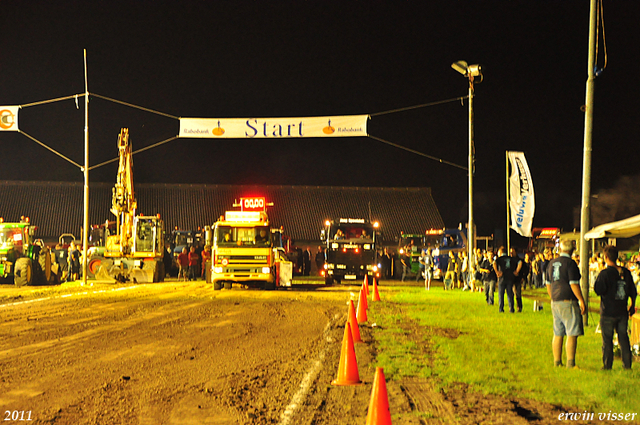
(158, 273)
(269, 286)
(23, 274)
(328, 281)
(227, 285)
(163, 272)
(217, 285)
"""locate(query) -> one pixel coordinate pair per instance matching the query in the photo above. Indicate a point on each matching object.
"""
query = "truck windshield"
(346, 232)
(10, 237)
(242, 236)
(417, 240)
(433, 241)
(183, 238)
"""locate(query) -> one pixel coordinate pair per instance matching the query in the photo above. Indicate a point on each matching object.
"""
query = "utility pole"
(85, 227)
(585, 210)
(470, 72)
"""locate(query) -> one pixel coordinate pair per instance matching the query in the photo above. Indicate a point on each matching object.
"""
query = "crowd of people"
(68, 260)
(610, 277)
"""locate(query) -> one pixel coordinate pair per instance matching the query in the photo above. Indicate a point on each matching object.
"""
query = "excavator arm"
(123, 203)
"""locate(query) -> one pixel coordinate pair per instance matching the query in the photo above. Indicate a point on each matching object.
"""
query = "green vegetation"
(453, 336)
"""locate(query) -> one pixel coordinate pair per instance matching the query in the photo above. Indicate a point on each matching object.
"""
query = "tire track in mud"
(300, 397)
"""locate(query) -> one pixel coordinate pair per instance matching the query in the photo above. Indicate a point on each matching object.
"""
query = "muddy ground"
(182, 353)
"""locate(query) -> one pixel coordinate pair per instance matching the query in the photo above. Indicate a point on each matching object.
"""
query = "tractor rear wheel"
(23, 273)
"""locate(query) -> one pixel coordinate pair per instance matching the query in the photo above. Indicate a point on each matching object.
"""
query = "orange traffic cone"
(353, 321)
(376, 295)
(361, 314)
(365, 300)
(348, 367)
(379, 413)
(365, 285)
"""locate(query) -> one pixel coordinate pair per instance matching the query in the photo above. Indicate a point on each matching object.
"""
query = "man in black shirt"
(505, 267)
(519, 273)
(489, 277)
(567, 305)
(615, 287)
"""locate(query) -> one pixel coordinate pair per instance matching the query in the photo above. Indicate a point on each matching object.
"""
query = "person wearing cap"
(562, 279)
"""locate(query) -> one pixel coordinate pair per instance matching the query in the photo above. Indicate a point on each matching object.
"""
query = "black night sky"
(321, 58)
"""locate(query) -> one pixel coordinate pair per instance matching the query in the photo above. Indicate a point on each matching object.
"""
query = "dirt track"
(165, 353)
(181, 353)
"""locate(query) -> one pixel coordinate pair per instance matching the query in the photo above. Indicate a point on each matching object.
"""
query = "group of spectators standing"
(560, 273)
(617, 290)
(68, 259)
(191, 263)
(303, 259)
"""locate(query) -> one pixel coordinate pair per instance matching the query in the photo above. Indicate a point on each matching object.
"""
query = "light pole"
(470, 72)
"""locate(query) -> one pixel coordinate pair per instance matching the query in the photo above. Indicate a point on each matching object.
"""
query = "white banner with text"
(521, 199)
(249, 128)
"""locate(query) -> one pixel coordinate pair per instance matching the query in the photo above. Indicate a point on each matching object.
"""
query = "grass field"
(461, 339)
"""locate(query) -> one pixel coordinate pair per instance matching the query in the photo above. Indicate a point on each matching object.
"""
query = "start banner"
(9, 118)
(522, 202)
(249, 128)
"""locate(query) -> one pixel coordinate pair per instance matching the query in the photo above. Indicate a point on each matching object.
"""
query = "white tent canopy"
(618, 229)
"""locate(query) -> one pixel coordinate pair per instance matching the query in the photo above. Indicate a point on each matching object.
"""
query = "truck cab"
(350, 249)
(413, 243)
(245, 250)
(442, 242)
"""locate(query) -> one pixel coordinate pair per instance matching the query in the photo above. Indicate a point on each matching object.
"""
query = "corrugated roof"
(57, 207)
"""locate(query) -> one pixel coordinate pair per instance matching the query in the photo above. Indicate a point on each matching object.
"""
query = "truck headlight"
(266, 270)
(217, 269)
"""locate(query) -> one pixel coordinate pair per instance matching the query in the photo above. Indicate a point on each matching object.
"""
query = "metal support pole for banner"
(506, 172)
(586, 163)
(470, 71)
(85, 229)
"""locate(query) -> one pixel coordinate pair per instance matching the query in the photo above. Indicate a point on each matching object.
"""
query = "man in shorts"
(567, 305)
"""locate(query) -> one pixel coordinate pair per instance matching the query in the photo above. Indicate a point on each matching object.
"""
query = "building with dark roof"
(57, 207)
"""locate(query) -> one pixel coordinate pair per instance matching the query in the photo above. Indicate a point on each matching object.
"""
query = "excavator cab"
(149, 237)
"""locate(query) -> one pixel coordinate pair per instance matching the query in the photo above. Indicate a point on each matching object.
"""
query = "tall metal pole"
(586, 161)
(470, 230)
(85, 230)
(506, 173)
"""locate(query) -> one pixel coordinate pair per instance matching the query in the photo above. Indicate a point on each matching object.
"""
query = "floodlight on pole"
(470, 72)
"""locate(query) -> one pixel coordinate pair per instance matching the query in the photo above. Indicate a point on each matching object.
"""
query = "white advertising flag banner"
(250, 128)
(9, 118)
(522, 202)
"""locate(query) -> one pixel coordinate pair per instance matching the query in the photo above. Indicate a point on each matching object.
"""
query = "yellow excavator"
(134, 253)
